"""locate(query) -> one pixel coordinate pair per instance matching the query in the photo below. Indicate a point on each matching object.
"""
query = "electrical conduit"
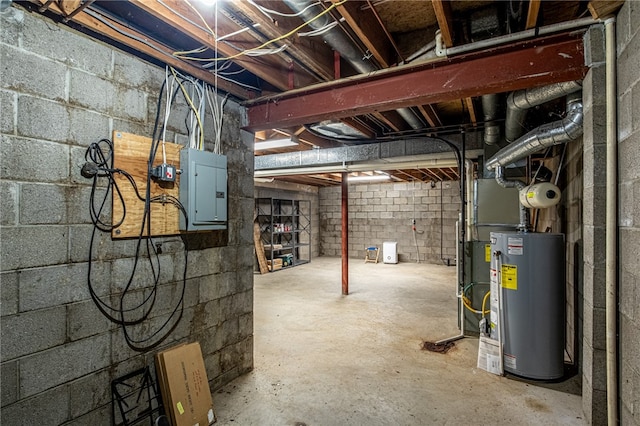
(611, 224)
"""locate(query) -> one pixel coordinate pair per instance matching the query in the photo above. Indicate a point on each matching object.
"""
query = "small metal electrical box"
(203, 190)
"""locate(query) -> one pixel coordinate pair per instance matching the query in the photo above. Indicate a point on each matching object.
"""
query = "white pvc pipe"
(442, 50)
(611, 224)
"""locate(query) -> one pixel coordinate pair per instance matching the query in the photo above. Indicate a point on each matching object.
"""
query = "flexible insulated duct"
(339, 42)
(555, 133)
(520, 101)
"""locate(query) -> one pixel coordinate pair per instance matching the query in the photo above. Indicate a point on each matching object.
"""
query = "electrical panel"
(203, 190)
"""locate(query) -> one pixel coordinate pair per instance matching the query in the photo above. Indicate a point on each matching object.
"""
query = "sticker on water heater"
(510, 361)
(509, 277)
(514, 246)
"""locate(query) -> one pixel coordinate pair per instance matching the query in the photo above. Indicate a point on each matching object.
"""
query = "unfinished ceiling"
(333, 73)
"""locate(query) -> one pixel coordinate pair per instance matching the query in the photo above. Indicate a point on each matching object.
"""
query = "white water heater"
(390, 252)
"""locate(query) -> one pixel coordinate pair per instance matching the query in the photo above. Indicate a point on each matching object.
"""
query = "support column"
(345, 234)
(594, 377)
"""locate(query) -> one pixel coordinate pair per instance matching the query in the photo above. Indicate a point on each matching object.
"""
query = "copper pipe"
(345, 234)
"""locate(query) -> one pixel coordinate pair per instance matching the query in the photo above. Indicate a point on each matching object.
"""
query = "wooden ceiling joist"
(316, 56)
(365, 25)
(442, 8)
(532, 14)
(116, 31)
(179, 15)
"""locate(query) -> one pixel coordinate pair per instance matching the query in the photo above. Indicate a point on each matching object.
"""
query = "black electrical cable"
(100, 165)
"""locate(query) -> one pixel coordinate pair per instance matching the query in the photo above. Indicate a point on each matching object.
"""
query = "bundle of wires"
(197, 94)
(99, 167)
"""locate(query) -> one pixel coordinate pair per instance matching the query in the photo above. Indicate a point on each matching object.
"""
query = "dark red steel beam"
(517, 66)
(345, 234)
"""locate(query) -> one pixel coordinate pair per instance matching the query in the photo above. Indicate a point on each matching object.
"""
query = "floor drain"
(442, 348)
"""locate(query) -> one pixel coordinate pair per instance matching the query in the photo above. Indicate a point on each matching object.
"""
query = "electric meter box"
(203, 190)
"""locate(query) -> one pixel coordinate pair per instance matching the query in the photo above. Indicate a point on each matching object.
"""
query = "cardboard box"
(184, 386)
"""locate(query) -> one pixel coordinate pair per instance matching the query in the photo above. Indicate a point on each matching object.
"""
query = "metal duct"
(524, 212)
(555, 133)
(490, 111)
(520, 101)
(339, 42)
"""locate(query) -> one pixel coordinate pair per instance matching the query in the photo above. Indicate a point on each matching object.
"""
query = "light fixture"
(274, 143)
(208, 2)
(369, 178)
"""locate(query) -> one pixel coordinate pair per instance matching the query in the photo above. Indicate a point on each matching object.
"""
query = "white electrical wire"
(320, 31)
(262, 52)
(270, 12)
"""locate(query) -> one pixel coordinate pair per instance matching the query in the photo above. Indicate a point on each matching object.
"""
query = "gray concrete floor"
(325, 359)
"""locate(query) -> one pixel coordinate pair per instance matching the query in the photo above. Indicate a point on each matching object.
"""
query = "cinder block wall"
(628, 37)
(290, 191)
(594, 401)
(570, 213)
(59, 92)
(384, 212)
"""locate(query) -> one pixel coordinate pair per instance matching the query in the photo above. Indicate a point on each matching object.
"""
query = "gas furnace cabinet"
(532, 269)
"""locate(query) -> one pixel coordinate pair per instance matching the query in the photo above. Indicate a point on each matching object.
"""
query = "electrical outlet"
(164, 172)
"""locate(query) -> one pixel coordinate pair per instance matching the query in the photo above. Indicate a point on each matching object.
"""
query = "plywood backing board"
(131, 153)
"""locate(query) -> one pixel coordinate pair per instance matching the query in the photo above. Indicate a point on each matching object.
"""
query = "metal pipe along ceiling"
(342, 44)
(490, 110)
(555, 133)
(520, 101)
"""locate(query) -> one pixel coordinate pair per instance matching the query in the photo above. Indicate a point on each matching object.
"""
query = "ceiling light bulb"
(208, 2)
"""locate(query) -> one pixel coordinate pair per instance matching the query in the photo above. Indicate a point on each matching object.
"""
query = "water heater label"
(510, 361)
(509, 277)
(487, 253)
(514, 246)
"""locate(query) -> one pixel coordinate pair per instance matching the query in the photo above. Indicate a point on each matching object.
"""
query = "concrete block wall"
(628, 51)
(60, 91)
(291, 191)
(570, 213)
(594, 401)
(382, 212)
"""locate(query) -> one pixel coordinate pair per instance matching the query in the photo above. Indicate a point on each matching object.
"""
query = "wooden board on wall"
(131, 153)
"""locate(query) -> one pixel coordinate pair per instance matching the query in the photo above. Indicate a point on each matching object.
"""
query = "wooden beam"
(68, 6)
(430, 114)
(602, 8)
(442, 8)
(432, 174)
(359, 127)
(392, 119)
(366, 27)
(447, 174)
(115, 31)
(532, 14)
(472, 110)
(272, 68)
(522, 65)
(312, 53)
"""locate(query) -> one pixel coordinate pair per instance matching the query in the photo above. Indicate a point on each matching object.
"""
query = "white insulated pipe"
(611, 224)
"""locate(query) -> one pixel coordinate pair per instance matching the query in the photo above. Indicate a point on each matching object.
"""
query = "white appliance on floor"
(390, 252)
